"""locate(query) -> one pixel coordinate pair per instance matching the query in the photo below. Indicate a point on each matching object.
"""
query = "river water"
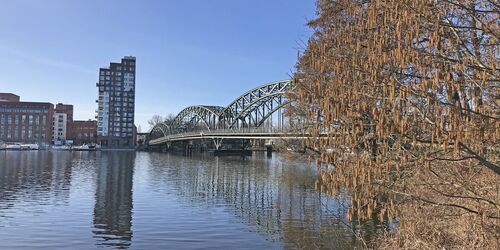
(129, 200)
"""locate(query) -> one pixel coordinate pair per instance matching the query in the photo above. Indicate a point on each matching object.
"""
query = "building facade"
(82, 132)
(63, 115)
(141, 138)
(26, 122)
(116, 104)
(9, 97)
(59, 128)
(66, 109)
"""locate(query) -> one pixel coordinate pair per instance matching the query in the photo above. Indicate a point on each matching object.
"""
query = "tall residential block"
(116, 104)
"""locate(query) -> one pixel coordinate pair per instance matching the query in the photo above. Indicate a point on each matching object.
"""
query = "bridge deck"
(258, 133)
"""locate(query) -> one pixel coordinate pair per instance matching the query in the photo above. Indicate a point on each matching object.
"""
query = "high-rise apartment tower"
(116, 104)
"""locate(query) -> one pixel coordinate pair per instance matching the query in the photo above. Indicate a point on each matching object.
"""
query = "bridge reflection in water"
(275, 196)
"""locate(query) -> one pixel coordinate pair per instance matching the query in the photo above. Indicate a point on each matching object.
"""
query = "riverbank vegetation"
(408, 95)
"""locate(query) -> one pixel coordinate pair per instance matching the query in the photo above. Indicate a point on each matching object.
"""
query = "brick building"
(65, 109)
(82, 132)
(9, 97)
(26, 122)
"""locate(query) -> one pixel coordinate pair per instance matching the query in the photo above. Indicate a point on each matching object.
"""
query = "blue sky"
(188, 51)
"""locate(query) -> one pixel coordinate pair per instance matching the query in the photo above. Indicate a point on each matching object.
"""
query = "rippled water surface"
(88, 200)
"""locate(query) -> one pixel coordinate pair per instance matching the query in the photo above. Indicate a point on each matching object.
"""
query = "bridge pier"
(269, 150)
(218, 143)
(189, 148)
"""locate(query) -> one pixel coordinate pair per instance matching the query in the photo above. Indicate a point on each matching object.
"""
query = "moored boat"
(13, 147)
(86, 147)
(61, 147)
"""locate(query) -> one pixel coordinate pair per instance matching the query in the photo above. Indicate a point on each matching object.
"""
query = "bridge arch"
(160, 130)
(196, 116)
(250, 109)
(261, 99)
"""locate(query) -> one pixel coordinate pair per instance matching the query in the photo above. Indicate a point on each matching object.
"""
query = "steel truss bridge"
(250, 116)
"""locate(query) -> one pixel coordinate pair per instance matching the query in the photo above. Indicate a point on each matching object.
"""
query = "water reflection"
(113, 199)
(275, 196)
(23, 179)
(84, 200)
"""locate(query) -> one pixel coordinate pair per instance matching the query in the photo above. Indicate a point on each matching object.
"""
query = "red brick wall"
(26, 122)
(82, 132)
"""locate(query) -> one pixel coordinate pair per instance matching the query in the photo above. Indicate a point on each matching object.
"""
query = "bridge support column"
(269, 150)
(189, 148)
(218, 143)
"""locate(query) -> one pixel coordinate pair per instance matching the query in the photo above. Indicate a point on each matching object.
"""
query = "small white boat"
(29, 147)
(13, 147)
(86, 147)
(61, 148)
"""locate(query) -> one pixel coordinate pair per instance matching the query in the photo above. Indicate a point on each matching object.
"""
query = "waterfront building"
(9, 97)
(82, 132)
(63, 115)
(141, 138)
(116, 104)
(26, 122)
(59, 125)
(66, 109)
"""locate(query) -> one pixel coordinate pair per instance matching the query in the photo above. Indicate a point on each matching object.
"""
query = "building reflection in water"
(275, 196)
(113, 199)
(24, 179)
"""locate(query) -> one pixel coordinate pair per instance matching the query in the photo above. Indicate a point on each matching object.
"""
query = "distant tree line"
(156, 119)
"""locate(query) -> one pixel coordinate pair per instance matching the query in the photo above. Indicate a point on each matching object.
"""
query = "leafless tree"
(408, 94)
